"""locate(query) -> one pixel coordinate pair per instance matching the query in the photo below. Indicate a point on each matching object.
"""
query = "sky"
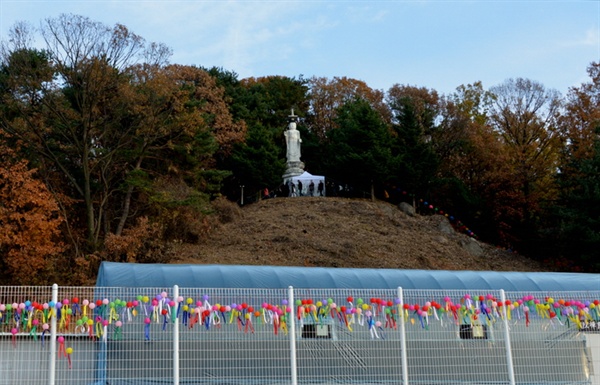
(439, 44)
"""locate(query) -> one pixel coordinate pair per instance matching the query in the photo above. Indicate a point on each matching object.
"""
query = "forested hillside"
(110, 152)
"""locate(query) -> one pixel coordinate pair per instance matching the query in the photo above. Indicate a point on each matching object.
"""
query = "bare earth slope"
(339, 232)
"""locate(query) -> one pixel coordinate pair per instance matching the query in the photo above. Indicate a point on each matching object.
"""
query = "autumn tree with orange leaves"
(30, 221)
(179, 125)
(70, 121)
(581, 118)
(105, 117)
(524, 113)
(475, 181)
(328, 95)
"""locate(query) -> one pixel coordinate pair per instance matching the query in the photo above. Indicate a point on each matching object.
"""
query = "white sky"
(436, 44)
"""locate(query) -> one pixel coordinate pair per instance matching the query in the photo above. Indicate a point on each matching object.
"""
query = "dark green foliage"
(274, 97)
(264, 105)
(358, 153)
(236, 95)
(579, 211)
(415, 163)
(256, 162)
(314, 151)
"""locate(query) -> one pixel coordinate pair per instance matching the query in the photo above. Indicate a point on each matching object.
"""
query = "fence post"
(292, 325)
(52, 374)
(403, 337)
(175, 336)
(509, 359)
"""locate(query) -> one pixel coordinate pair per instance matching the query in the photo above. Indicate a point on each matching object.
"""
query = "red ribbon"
(61, 349)
(194, 320)
(249, 326)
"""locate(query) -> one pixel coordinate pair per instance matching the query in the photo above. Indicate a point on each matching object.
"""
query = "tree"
(581, 118)
(273, 97)
(210, 100)
(424, 104)
(460, 114)
(68, 120)
(358, 151)
(578, 210)
(414, 111)
(525, 113)
(575, 229)
(257, 162)
(235, 95)
(101, 124)
(328, 95)
(263, 104)
(475, 182)
(177, 122)
(30, 220)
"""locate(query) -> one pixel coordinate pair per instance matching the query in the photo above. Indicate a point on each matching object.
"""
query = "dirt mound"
(338, 232)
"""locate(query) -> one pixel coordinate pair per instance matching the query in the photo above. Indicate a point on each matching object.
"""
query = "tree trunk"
(89, 210)
(127, 203)
(372, 191)
(87, 198)
(125, 212)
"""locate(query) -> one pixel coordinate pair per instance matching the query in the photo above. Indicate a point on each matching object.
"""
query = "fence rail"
(100, 336)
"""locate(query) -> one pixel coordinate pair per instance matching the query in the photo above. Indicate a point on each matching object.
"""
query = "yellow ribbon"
(99, 329)
(113, 316)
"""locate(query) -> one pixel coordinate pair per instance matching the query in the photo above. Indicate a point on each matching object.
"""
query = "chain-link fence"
(99, 335)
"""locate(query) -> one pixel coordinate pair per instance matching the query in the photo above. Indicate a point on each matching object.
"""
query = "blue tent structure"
(569, 364)
(114, 274)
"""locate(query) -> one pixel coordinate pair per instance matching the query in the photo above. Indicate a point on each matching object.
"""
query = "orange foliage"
(474, 152)
(141, 243)
(524, 115)
(327, 95)
(125, 248)
(30, 221)
(426, 102)
(213, 108)
(582, 116)
(251, 81)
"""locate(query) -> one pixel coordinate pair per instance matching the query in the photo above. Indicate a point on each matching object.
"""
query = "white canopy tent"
(305, 179)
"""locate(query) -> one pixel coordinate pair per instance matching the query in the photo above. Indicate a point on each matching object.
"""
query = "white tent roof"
(307, 176)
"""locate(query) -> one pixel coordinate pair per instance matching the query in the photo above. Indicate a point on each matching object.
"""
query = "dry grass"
(338, 232)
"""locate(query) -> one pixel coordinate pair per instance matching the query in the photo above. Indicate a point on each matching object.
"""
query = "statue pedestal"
(293, 169)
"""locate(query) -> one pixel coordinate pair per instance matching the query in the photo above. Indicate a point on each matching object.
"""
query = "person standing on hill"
(284, 190)
(320, 188)
(311, 188)
(299, 188)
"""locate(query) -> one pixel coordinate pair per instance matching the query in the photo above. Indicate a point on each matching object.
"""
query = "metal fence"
(101, 336)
